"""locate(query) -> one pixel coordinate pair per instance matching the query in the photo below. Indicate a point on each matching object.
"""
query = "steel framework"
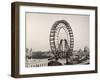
(54, 41)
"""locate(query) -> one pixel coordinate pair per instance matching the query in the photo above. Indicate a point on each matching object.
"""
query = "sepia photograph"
(57, 39)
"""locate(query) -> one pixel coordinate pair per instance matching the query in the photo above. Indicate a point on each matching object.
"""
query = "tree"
(86, 49)
(27, 50)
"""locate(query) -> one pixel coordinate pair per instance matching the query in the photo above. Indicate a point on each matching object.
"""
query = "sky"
(38, 26)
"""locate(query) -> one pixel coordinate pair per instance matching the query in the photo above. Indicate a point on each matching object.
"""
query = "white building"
(36, 62)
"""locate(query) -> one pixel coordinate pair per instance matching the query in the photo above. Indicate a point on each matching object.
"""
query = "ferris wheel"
(56, 43)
